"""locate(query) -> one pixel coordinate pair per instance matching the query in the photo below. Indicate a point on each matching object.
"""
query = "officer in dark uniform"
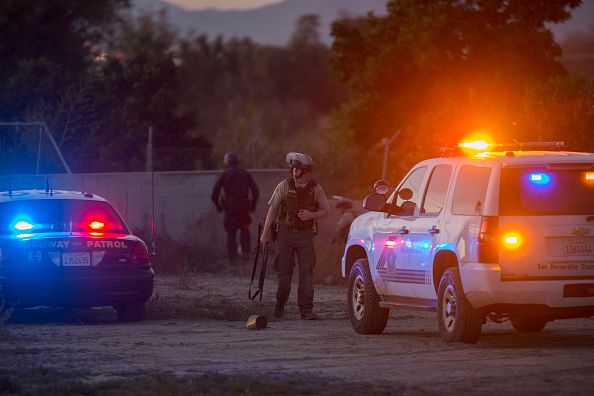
(296, 204)
(236, 184)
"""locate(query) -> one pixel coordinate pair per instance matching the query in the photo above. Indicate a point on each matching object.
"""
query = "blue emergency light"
(540, 178)
(23, 225)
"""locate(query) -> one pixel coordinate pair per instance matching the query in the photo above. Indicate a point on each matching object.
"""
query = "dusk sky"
(222, 4)
(581, 20)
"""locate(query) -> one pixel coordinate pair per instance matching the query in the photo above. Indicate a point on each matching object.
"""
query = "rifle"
(262, 268)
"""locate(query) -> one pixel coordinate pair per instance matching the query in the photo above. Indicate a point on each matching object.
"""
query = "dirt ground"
(197, 326)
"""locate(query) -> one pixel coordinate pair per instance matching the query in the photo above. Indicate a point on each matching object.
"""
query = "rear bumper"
(88, 289)
(483, 288)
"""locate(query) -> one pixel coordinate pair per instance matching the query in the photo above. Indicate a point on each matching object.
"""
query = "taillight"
(139, 255)
(488, 241)
(512, 240)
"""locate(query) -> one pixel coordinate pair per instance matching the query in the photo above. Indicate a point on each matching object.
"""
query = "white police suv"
(66, 248)
(505, 234)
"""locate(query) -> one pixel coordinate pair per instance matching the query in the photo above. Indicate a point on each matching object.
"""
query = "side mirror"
(381, 186)
(375, 202)
(405, 194)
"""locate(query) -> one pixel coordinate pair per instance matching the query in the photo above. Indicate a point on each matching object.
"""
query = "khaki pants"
(290, 244)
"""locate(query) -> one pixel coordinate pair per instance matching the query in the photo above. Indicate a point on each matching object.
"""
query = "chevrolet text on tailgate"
(504, 234)
(71, 249)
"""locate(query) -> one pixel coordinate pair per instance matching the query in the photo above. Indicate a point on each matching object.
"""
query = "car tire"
(458, 320)
(130, 311)
(366, 316)
(528, 324)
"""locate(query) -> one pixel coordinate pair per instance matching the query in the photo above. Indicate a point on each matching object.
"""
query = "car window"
(538, 191)
(470, 190)
(44, 215)
(409, 200)
(437, 189)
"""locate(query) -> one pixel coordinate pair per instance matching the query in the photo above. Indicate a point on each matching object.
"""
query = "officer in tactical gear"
(296, 203)
(236, 184)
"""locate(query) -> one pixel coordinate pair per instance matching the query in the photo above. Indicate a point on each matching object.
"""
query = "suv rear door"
(546, 221)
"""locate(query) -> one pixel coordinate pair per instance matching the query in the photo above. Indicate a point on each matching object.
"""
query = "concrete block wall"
(182, 206)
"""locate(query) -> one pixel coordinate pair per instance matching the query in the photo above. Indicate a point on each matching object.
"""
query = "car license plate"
(572, 247)
(76, 259)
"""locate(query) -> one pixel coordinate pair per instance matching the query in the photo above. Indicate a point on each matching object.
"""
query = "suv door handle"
(433, 230)
(403, 231)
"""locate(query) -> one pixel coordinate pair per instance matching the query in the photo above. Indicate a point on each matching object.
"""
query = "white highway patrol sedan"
(506, 234)
(71, 249)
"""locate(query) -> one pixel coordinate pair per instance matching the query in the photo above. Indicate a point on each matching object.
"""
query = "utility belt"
(281, 226)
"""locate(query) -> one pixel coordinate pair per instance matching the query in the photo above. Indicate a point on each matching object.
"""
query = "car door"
(424, 234)
(389, 238)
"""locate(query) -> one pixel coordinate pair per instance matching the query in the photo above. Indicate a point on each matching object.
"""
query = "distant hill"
(271, 24)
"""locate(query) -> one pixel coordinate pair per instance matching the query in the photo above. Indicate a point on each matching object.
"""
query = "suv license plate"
(571, 247)
(78, 259)
(578, 248)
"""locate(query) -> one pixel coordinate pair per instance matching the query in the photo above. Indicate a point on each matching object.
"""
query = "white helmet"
(299, 161)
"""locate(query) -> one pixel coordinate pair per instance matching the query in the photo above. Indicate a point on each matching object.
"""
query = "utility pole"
(386, 143)
(149, 150)
(254, 148)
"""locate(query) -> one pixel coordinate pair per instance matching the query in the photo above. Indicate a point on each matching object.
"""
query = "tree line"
(433, 70)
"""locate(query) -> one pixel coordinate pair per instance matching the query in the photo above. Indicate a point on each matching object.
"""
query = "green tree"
(44, 47)
(561, 109)
(240, 90)
(439, 70)
(139, 84)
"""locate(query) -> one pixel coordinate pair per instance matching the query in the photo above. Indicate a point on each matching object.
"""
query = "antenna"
(153, 250)
(47, 188)
(9, 188)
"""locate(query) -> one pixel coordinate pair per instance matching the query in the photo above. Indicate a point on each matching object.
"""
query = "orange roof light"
(475, 145)
(589, 176)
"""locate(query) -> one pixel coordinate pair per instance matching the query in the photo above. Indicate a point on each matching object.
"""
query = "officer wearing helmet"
(236, 184)
(296, 204)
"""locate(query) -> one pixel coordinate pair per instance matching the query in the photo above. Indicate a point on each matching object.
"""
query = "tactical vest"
(298, 199)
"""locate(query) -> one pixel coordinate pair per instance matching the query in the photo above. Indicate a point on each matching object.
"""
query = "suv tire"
(528, 324)
(130, 311)
(458, 321)
(366, 316)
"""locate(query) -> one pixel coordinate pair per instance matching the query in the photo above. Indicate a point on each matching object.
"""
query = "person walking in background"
(296, 203)
(343, 225)
(341, 234)
(237, 184)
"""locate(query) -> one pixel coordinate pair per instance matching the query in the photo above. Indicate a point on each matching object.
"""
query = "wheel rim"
(449, 308)
(358, 297)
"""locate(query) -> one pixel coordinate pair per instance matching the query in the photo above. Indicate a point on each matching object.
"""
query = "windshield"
(44, 215)
(538, 191)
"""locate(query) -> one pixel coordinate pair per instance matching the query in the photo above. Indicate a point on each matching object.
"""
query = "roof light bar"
(483, 146)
